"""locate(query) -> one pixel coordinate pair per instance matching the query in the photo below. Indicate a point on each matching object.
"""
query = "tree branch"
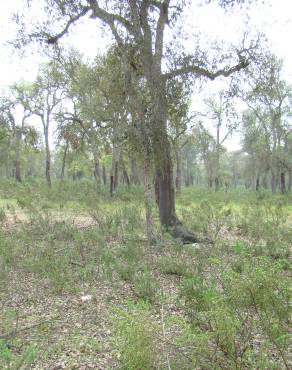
(225, 72)
(162, 20)
(54, 39)
(109, 18)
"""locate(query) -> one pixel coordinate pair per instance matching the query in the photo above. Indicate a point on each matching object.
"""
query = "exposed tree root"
(178, 231)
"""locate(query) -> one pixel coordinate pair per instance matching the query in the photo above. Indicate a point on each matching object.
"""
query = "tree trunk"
(18, 134)
(48, 165)
(48, 152)
(116, 175)
(178, 179)
(126, 176)
(148, 200)
(282, 182)
(273, 182)
(217, 164)
(104, 174)
(134, 172)
(257, 186)
(96, 170)
(18, 171)
(64, 161)
(165, 194)
(216, 181)
(112, 186)
(265, 181)
(290, 181)
(115, 169)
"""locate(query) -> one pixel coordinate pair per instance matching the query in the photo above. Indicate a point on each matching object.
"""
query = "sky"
(274, 18)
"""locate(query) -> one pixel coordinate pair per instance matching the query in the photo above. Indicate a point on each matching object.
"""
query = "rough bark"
(148, 200)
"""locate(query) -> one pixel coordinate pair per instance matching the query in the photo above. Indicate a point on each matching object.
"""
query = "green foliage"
(173, 265)
(11, 360)
(236, 308)
(12, 354)
(135, 339)
(265, 224)
(146, 286)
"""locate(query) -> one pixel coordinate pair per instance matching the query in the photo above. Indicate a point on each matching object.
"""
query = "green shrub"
(22, 359)
(146, 286)
(173, 265)
(135, 339)
(236, 308)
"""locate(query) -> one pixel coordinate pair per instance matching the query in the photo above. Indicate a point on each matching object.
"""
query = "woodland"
(131, 235)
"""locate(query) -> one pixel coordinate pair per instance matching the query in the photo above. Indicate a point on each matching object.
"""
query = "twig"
(25, 328)
(77, 264)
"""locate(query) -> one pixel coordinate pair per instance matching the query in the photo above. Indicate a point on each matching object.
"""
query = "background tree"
(269, 99)
(14, 115)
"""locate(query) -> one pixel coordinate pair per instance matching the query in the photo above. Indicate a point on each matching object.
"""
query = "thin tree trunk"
(115, 169)
(265, 181)
(104, 174)
(116, 175)
(134, 173)
(111, 186)
(18, 171)
(290, 181)
(96, 171)
(126, 176)
(64, 161)
(217, 165)
(178, 179)
(48, 159)
(216, 182)
(273, 182)
(45, 122)
(282, 182)
(257, 186)
(18, 134)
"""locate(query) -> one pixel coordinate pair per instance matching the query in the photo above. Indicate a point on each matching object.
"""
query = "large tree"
(139, 29)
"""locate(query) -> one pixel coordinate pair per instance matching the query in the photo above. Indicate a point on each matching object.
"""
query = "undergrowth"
(218, 306)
